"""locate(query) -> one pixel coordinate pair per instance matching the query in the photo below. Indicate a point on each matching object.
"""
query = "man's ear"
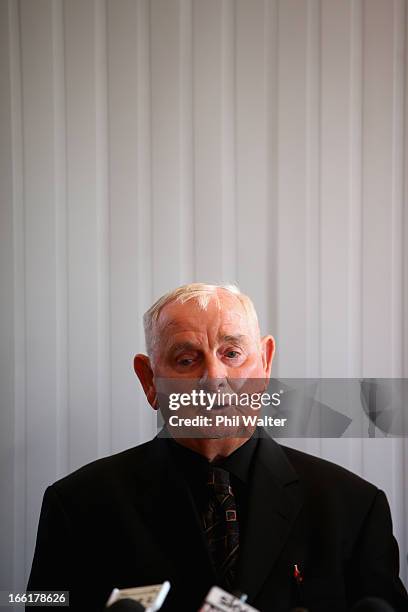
(144, 372)
(268, 351)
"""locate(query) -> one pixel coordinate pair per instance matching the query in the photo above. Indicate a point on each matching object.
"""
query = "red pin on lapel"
(297, 574)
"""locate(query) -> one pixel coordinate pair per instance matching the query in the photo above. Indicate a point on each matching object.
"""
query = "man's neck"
(212, 449)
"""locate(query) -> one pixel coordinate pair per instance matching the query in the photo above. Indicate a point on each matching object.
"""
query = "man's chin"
(211, 433)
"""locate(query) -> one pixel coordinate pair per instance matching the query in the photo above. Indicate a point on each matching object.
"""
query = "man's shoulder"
(106, 471)
(323, 475)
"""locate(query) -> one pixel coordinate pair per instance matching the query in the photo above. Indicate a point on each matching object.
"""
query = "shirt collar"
(192, 464)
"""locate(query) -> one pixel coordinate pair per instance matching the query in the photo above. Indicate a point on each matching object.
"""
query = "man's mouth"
(222, 406)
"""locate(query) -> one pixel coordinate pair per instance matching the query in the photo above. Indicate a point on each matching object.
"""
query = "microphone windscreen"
(125, 605)
(372, 604)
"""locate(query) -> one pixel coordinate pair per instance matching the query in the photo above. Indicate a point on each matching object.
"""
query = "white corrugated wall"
(150, 143)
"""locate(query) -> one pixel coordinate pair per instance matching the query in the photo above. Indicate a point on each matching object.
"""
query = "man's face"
(217, 349)
(219, 343)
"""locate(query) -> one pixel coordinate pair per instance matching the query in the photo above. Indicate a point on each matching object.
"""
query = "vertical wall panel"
(103, 312)
(168, 238)
(251, 145)
(20, 553)
(228, 264)
(354, 258)
(398, 497)
(40, 252)
(381, 227)
(313, 189)
(335, 186)
(149, 143)
(378, 92)
(211, 224)
(405, 208)
(291, 288)
(86, 430)
(312, 305)
(404, 541)
(6, 301)
(377, 186)
(334, 194)
(129, 205)
(61, 241)
(397, 186)
(271, 31)
(187, 209)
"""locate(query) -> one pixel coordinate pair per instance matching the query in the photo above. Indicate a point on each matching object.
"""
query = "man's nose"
(214, 373)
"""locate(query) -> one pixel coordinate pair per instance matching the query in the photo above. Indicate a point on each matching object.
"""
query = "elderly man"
(205, 505)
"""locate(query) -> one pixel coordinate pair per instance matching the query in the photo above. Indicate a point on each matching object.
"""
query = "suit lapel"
(168, 509)
(274, 502)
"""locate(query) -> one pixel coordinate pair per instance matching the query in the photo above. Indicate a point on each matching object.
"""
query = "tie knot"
(219, 479)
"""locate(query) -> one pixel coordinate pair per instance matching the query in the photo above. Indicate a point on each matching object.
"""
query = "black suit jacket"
(129, 520)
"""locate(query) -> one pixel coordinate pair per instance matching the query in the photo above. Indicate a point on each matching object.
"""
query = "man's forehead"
(230, 317)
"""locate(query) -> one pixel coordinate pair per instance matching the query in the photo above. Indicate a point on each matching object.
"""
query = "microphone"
(127, 605)
(372, 604)
(218, 600)
(147, 598)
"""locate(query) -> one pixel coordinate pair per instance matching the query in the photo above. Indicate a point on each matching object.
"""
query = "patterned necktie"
(221, 526)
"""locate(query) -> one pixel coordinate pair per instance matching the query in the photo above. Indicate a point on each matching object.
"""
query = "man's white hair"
(199, 292)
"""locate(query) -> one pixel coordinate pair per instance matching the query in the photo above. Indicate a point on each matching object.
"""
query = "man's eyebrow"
(180, 346)
(237, 338)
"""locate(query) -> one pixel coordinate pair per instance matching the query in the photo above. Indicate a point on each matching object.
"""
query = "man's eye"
(232, 354)
(185, 362)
